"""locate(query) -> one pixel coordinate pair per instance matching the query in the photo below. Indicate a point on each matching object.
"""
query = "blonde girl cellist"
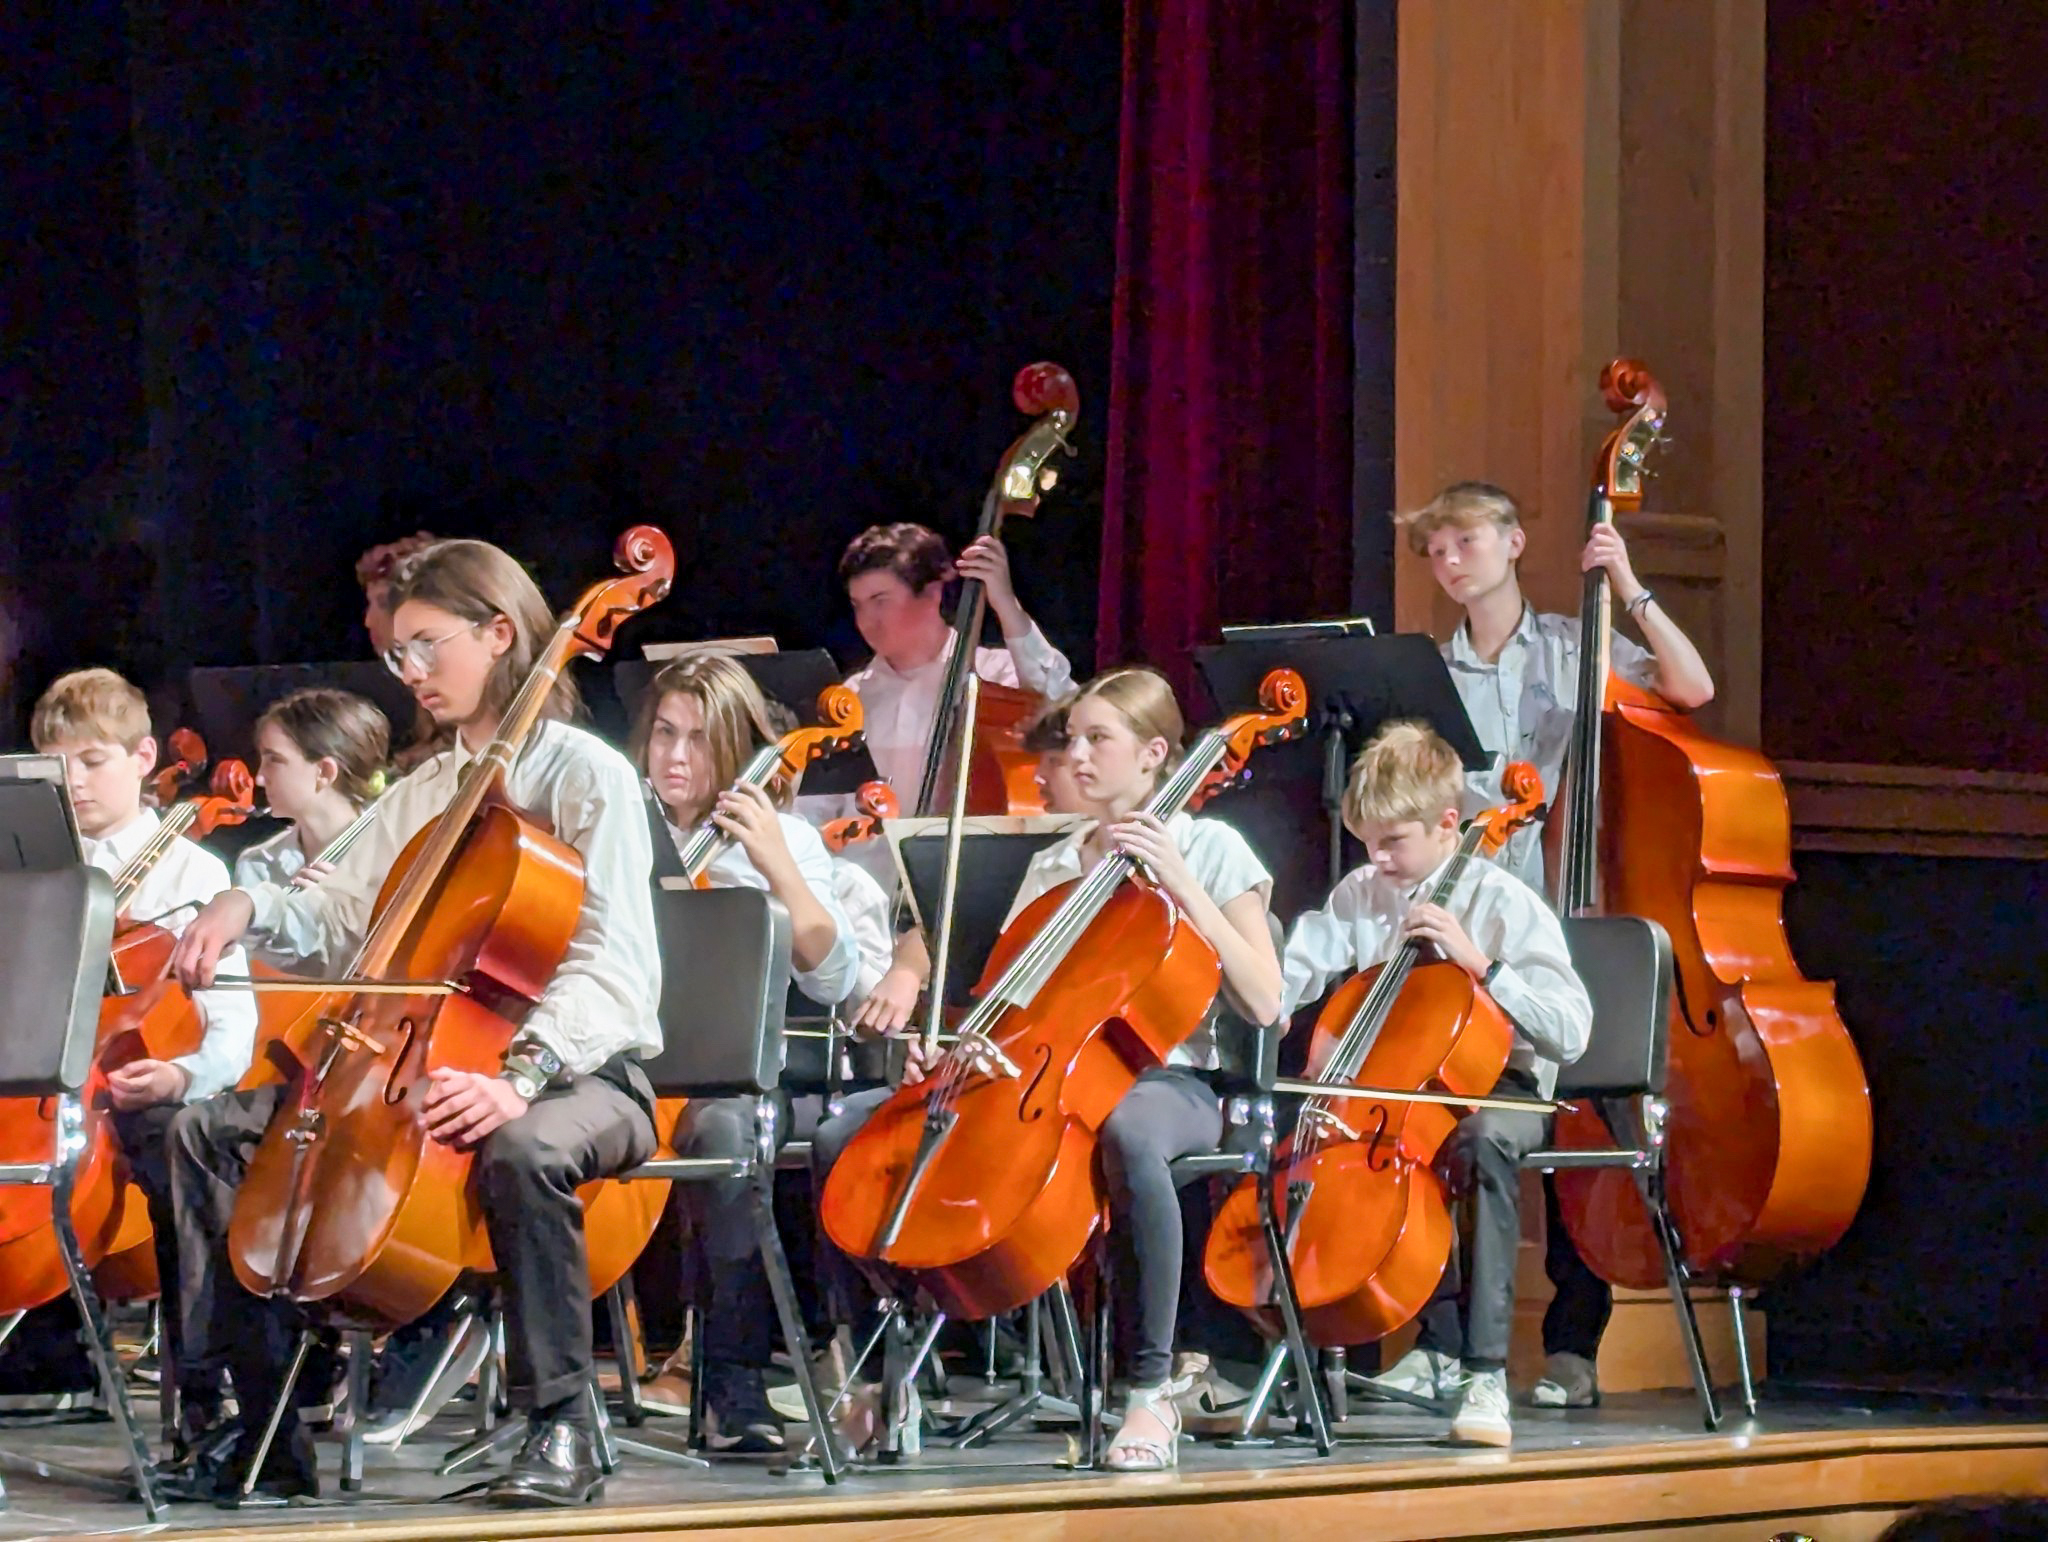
(1125, 732)
(571, 1103)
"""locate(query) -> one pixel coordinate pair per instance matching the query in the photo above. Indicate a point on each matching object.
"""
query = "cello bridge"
(1327, 1121)
(349, 1036)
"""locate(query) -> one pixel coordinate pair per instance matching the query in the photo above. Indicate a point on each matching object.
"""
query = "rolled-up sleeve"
(1039, 665)
(833, 980)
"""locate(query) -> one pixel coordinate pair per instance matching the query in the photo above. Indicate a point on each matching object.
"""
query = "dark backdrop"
(294, 279)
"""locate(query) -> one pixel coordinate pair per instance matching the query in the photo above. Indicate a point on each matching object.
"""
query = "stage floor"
(1641, 1462)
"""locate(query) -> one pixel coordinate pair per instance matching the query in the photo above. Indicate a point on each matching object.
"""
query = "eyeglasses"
(419, 651)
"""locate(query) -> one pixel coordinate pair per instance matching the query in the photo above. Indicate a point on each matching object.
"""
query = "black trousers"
(526, 1175)
(1473, 1310)
(1578, 1312)
(739, 1321)
(144, 1135)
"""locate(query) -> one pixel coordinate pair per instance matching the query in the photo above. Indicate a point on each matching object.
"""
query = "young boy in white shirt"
(1516, 672)
(100, 724)
(1402, 803)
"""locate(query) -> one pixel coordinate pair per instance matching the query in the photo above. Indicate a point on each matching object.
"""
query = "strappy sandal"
(1145, 1453)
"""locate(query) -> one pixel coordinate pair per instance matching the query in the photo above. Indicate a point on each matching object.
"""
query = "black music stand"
(38, 831)
(790, 680)
(1356, 683)
(992, 867)
(226, 702)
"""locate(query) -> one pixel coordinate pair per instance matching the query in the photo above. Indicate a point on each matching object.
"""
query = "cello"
(1365, 1216)
(1768, 1131)
(145, 1015)
(1001, 775)
(985, 1187)
(347, 1200)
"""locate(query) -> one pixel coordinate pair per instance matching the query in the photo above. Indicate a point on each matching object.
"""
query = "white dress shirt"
(867, 906)
(898, 707)
(605, 996)
(1535, 985)
(271, 860)
(1521, 706)
(732, 868)
(185, 878)
(1222, 861)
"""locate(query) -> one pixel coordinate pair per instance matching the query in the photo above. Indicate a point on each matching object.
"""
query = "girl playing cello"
(1124, 733)
(320, 757)
(570, 1103)
(702, 719)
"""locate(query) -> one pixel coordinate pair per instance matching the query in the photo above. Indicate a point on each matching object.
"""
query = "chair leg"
(360, 1350)
(1336, 1384)
(1306, 1365)
(775, 1264)
(1688, 1321)
(133, 1446)
(1738, 1321)
(623, 1357)
(1263, 1390)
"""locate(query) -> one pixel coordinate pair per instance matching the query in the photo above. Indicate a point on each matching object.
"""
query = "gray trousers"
(1170, 1113)
(1473, 1310)
(526, 1174)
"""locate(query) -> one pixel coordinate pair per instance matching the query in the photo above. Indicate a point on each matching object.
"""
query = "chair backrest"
(724, 988)
(56, 932)
(1625, 962)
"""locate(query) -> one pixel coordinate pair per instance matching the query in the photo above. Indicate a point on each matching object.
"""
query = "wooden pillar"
(1578, 179)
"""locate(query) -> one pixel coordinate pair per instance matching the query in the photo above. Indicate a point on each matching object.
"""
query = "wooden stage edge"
(1836, 1487)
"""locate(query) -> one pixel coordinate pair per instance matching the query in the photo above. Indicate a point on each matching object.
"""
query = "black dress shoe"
(556, 1466)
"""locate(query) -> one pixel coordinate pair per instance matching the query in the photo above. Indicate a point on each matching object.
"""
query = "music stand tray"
(38, 830)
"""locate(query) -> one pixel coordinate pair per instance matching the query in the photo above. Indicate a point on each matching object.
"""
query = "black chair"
(725, 964)
(1625, 962)
(53, 958)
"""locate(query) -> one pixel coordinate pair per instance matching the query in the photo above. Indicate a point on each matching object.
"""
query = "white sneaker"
(1482, 1418)
(1422, 1376)
(1569, 1381)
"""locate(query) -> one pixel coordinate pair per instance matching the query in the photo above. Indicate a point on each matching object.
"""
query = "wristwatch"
(532, 1069)
(1492, 973)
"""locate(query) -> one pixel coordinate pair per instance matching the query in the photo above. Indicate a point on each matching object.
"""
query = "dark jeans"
(1473, 1310)
(1168, 1114)
(739, 1321)
(526, 1175)
(1578, 1312)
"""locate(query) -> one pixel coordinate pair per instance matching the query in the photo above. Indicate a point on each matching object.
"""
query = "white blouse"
(1222, 861)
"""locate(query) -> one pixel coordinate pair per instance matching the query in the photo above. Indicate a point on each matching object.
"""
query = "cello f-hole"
(1373, 1160)
(1025, 1111)
(396, 1084)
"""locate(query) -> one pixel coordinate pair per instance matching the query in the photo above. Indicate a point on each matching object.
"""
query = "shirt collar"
(923, 671)
(1464, 654)
(123, 843)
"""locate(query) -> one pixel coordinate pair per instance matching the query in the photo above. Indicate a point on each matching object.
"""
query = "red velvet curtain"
(1228, 493)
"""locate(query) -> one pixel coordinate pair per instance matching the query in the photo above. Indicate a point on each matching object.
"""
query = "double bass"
(1768, 1133)
(985, 1186)
(1364, 1215)
(347, 1200)
(145, 1015)
(1001, 774)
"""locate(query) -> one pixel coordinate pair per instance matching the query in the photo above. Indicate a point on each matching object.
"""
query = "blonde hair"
(1461, 506)
(736, 714)
(477, 582)
(1406, 772)
(90, 704)
(1144, 699)
(327, 724)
